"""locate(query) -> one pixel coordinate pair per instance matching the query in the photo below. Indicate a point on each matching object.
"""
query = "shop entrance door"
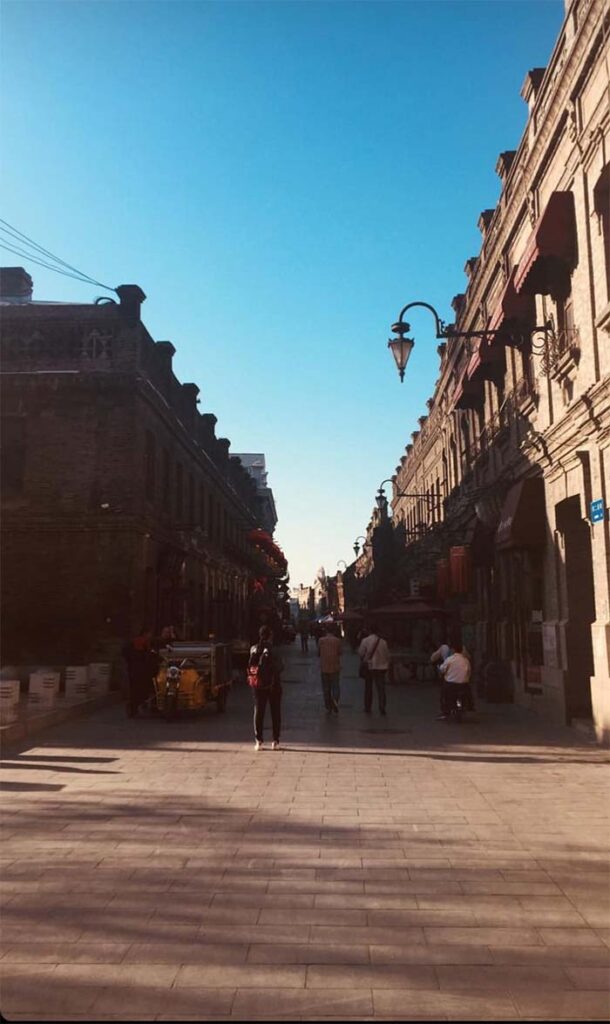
(581, 606)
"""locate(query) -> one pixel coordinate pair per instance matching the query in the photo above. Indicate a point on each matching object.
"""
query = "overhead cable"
(24, 240)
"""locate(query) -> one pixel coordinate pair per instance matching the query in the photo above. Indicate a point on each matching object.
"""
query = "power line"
(22, 239)
(49, 266)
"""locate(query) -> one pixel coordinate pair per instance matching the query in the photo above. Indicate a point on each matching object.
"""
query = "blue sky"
(280, 178)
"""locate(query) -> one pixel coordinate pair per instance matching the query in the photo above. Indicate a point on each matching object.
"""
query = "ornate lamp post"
(357, 545)
(382, 501)
(342, 562)
(401, 346)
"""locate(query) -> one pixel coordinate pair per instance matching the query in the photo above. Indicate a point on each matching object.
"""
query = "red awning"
(487, 362)
(523, 517)
(469, 394)
(511, 306)
(552, 241)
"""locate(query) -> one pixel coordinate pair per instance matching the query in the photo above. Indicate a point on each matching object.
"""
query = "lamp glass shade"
(356, 549)
(401, 350)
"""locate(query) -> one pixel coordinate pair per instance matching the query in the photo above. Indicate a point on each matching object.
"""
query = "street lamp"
(342, 562)
(382, 501)
(401, 346)
(357, 546)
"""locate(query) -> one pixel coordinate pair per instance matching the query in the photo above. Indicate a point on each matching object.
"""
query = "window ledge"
(603, 320)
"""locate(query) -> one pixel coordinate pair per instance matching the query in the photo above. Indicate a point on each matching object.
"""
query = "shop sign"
(598, 512)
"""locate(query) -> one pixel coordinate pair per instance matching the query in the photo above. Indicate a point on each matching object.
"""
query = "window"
(166, 480)
(202, 506)
(179, 491)
(12, 442)
(150, 459)
(191, 509)
(601, 197)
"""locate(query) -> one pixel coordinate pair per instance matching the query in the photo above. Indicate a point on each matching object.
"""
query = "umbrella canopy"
(415, 609)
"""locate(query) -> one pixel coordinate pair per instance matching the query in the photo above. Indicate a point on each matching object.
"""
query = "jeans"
(273, 697)
(330, 688)
(376, 676)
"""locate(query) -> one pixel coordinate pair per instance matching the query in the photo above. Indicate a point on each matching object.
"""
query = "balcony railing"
(562, 353)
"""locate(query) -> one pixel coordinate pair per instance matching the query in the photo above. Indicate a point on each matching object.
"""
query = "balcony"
(526, 395)
(562, 355)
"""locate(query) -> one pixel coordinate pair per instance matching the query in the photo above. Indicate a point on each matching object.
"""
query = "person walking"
(304, 634)
(455, 671)
(329, 649)
(265, 666)
(375, 660)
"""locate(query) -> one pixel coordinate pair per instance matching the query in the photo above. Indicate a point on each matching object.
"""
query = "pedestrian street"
(371, 868)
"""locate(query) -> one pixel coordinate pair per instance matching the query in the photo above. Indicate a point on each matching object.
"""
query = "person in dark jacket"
(265, 654)
(140, 662)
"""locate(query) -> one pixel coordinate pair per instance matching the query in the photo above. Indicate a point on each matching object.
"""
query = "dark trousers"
(273, 697)
(449, 692)
(376, 676)
(330, 689)
(304, 643)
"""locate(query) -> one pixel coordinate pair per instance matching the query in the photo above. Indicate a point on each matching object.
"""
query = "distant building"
(254, 464)
(120, 506)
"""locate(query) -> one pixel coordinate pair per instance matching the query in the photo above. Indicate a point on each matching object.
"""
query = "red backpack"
(260, 669)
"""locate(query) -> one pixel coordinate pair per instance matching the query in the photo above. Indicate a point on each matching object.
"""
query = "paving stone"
(241, 976)
(311, 953)
(564, 1005)
(376, 976)
(303, 1004)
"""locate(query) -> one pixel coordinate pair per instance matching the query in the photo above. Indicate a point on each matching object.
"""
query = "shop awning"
(523, 517)
(487, 362)
(551, 247)
(469, 394)
(511, 306)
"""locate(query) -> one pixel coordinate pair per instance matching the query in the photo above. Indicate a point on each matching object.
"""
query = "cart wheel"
(169, 709)
(221, 700)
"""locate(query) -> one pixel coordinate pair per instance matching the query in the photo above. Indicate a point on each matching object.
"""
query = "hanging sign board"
(598, 512)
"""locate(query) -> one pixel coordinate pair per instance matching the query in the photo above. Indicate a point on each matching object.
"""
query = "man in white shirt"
(455, 671)
(375, 653)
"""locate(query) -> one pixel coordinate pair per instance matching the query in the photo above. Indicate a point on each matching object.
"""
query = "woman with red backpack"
(265, 666)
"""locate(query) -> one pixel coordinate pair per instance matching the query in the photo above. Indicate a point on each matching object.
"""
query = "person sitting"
(456, 671)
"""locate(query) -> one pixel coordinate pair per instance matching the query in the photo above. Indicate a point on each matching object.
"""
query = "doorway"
(580, 592)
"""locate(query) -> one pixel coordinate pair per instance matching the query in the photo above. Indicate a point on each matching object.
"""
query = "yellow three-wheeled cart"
(192, 675)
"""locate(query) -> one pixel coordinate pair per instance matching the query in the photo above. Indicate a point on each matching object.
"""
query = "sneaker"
(275, 745)
(258, 744)
(334, 706)
(442, 718)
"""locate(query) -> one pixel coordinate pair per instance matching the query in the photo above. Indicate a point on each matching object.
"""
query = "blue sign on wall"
(598, 512)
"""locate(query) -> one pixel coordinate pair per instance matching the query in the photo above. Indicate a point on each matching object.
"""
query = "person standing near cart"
(265, 666)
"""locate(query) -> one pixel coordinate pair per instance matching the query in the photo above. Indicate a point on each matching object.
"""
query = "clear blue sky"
(280, 178)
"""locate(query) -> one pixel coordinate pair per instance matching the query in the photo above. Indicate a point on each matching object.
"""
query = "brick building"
(120, 505)
(515, 443)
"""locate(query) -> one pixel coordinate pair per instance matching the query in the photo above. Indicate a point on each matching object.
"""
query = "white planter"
(77, 682)
(43, 688)
(99, 678)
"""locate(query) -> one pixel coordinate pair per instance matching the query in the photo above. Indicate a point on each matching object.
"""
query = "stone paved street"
(397, 868)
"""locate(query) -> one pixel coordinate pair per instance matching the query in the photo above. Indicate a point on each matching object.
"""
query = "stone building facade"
(120, 505)
(514, 447)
